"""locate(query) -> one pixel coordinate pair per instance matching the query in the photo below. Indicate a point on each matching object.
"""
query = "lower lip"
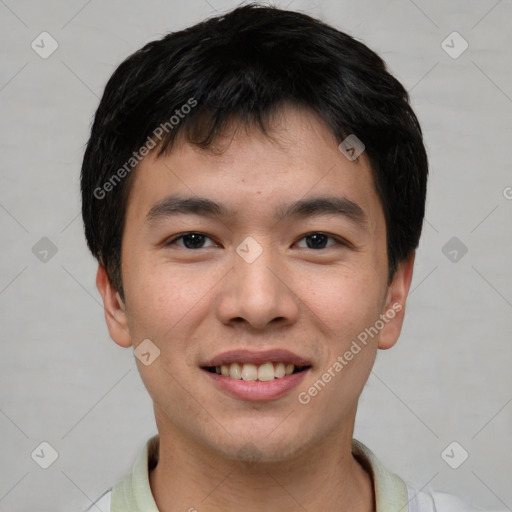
(255, 390)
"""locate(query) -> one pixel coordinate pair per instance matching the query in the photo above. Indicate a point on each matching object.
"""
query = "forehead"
(251, 174)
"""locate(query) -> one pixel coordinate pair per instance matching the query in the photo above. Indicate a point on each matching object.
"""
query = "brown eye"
(318, 240)
(191, 240)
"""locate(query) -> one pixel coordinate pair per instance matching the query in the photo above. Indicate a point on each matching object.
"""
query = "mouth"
(251, 372)
(263, 366)
(256, 376)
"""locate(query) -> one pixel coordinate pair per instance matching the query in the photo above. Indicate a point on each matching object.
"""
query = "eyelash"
(338, 240)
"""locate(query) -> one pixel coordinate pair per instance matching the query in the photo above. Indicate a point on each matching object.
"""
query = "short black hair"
(245, 65)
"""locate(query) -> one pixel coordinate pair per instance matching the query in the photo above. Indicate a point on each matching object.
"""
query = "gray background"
(65, 382)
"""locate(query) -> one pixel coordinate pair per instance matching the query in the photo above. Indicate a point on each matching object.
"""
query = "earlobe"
(115, 310)
(394, 309)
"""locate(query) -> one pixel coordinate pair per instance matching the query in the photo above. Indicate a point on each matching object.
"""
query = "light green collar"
(390, 490)
(133, 494)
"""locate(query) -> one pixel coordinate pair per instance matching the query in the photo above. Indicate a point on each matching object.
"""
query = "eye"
(195, 240)
(317, 240)
(191, 240)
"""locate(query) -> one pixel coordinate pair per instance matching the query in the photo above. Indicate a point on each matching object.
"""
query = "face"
(259, 276)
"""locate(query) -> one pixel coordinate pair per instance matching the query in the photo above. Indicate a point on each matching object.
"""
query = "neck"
(324, 477)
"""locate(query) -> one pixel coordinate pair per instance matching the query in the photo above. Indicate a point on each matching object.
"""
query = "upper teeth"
(248, 371)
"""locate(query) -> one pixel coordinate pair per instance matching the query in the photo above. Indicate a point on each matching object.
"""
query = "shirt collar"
(133, 494)
(390, 490)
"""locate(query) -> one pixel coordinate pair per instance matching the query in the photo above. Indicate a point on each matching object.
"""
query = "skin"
(222, 453)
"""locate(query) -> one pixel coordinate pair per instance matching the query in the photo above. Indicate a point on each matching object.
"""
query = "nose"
(259, 293)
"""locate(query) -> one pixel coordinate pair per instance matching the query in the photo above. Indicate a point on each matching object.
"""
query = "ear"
(115, 310)
(394, 308)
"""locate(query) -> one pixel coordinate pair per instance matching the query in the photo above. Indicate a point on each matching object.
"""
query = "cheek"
(161, 295)
(167, 303)
(345, 300)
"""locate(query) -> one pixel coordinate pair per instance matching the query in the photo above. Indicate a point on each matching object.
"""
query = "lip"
(255, 390)
(261, 357)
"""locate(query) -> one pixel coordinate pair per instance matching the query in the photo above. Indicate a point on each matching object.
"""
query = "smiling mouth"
(250, 372)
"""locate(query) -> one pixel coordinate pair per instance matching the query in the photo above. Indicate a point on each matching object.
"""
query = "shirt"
(392, 494)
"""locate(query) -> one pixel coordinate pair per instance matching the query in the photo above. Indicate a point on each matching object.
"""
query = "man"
(254, 191)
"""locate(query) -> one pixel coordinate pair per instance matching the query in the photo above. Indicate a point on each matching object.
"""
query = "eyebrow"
(309, 207)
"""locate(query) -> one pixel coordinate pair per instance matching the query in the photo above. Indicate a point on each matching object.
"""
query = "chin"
(254, 449)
